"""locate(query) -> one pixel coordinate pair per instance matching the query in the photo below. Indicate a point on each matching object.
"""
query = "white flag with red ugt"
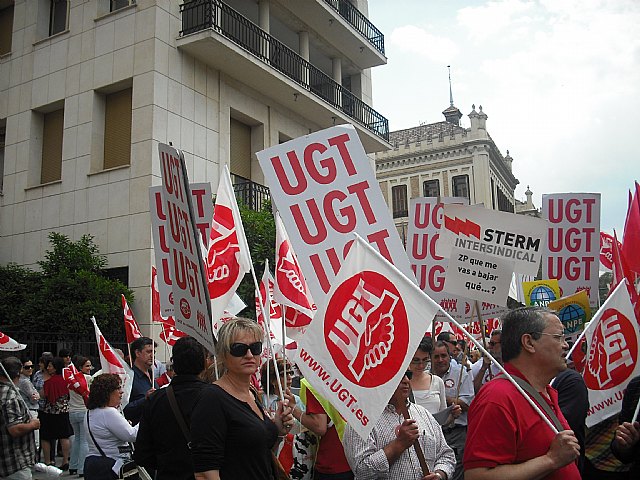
(8, 344)
(290, 287)
(130, 325)
(228, 257)
(612, 359)
(111, 362)
(360, 342)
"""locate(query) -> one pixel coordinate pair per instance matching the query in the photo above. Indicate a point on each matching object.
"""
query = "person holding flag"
(143, 380)
(626, 443)
(520, 444)
(78, 383)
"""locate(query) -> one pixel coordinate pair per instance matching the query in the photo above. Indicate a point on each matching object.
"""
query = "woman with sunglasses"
(232, 435)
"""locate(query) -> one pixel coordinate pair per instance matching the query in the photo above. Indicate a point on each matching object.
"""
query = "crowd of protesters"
(229, 415)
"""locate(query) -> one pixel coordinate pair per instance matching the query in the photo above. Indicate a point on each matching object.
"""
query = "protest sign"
(478, 276)
(187, 269)
(361, 341)
(573, 311)
(612, 359)
(494, 234)
(203, 211)
(541, 292)
(324, 187)
(572, 251)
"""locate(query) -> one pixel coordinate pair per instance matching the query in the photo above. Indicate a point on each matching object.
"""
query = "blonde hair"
(230, 330)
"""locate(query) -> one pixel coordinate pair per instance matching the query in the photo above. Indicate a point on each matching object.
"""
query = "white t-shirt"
(434, 399)
(475, 370)
(110, 430)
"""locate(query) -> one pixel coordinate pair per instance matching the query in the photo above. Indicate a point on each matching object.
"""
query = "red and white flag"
(130, 325)
(163, 380)
(606, 250)
(170, 334)
(612, 358)
(111, 362)
(273, 310)
(8, 344)
(290, 287)
(228, 257)
(363, 338)
(75, 380)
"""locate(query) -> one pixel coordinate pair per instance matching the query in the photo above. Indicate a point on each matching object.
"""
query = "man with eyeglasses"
(484, 369)
(507, 438)
(388, 451)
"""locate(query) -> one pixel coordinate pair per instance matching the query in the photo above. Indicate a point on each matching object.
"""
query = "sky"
(558, 79)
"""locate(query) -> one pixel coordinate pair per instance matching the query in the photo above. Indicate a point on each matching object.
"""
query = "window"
(58, 16)
(239, 151)
(504, 204)
(51, 169)
(118, 4)
(461, 186)
(399, 201)
(6, 29)
(117, 129)
(3, 134)
(431, 188)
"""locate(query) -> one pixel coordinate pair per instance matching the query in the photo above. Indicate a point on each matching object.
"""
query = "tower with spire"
(452, 114)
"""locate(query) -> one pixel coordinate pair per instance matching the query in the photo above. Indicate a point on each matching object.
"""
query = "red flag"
(163, 380)
(76, 380)
(130, 325)
(621, 271)
(631, 235)
(606, 250)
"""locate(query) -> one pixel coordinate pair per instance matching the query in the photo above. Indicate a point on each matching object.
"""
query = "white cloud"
(495, 17)
(412, 39)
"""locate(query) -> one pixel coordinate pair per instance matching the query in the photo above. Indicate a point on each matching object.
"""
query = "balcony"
(252, 194)
(223, 38)
(358, 21)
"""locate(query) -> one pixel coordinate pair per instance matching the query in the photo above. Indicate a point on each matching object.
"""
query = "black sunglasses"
(408, 374)
(27, 367)
(240, 349)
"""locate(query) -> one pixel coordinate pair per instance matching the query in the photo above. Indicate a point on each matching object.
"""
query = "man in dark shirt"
(626, 442)
(142, 353)
(161, 444)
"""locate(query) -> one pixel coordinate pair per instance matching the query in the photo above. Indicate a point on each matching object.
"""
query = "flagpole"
(588, 326)
(465, 333)
(284, 353)
(484, 340)
(267, 321)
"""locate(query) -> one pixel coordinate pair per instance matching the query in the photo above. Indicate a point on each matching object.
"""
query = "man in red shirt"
(506, 437)
(330, 460)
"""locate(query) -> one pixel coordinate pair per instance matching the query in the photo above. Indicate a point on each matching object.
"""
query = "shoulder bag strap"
(526, 386)
(94, 438)
(178, 414)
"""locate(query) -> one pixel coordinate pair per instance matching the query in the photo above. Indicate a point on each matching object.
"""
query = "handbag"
(101, 468)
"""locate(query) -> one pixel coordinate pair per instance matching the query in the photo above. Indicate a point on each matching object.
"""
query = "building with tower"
(89, 88)
(448, 160)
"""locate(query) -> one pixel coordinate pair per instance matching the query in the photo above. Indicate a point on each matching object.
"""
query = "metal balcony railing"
(358, 21)
(198, 15)
(252, 194)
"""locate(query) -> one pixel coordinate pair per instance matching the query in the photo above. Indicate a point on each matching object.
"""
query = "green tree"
(260, 229)
(70, 288)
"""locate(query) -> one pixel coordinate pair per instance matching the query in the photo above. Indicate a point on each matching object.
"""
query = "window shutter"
(52, 147)
(240, 154)
(117, 129)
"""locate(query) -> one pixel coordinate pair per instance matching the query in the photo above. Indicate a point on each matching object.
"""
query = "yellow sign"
(573, 311)
(541, 292)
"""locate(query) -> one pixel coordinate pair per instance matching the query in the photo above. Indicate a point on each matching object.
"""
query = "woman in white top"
(77, 412)
(108, 432)
(428, 389)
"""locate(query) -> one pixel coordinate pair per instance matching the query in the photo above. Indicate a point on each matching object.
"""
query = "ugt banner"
(360, 342)
(572, 254)
(324, 188)
(612, 359)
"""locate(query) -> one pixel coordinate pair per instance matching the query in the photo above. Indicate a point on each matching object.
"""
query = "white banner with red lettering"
(572, 253)
(203, 211)
(187, 268)
(361, 341)
(324, 187)
(612, 359)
